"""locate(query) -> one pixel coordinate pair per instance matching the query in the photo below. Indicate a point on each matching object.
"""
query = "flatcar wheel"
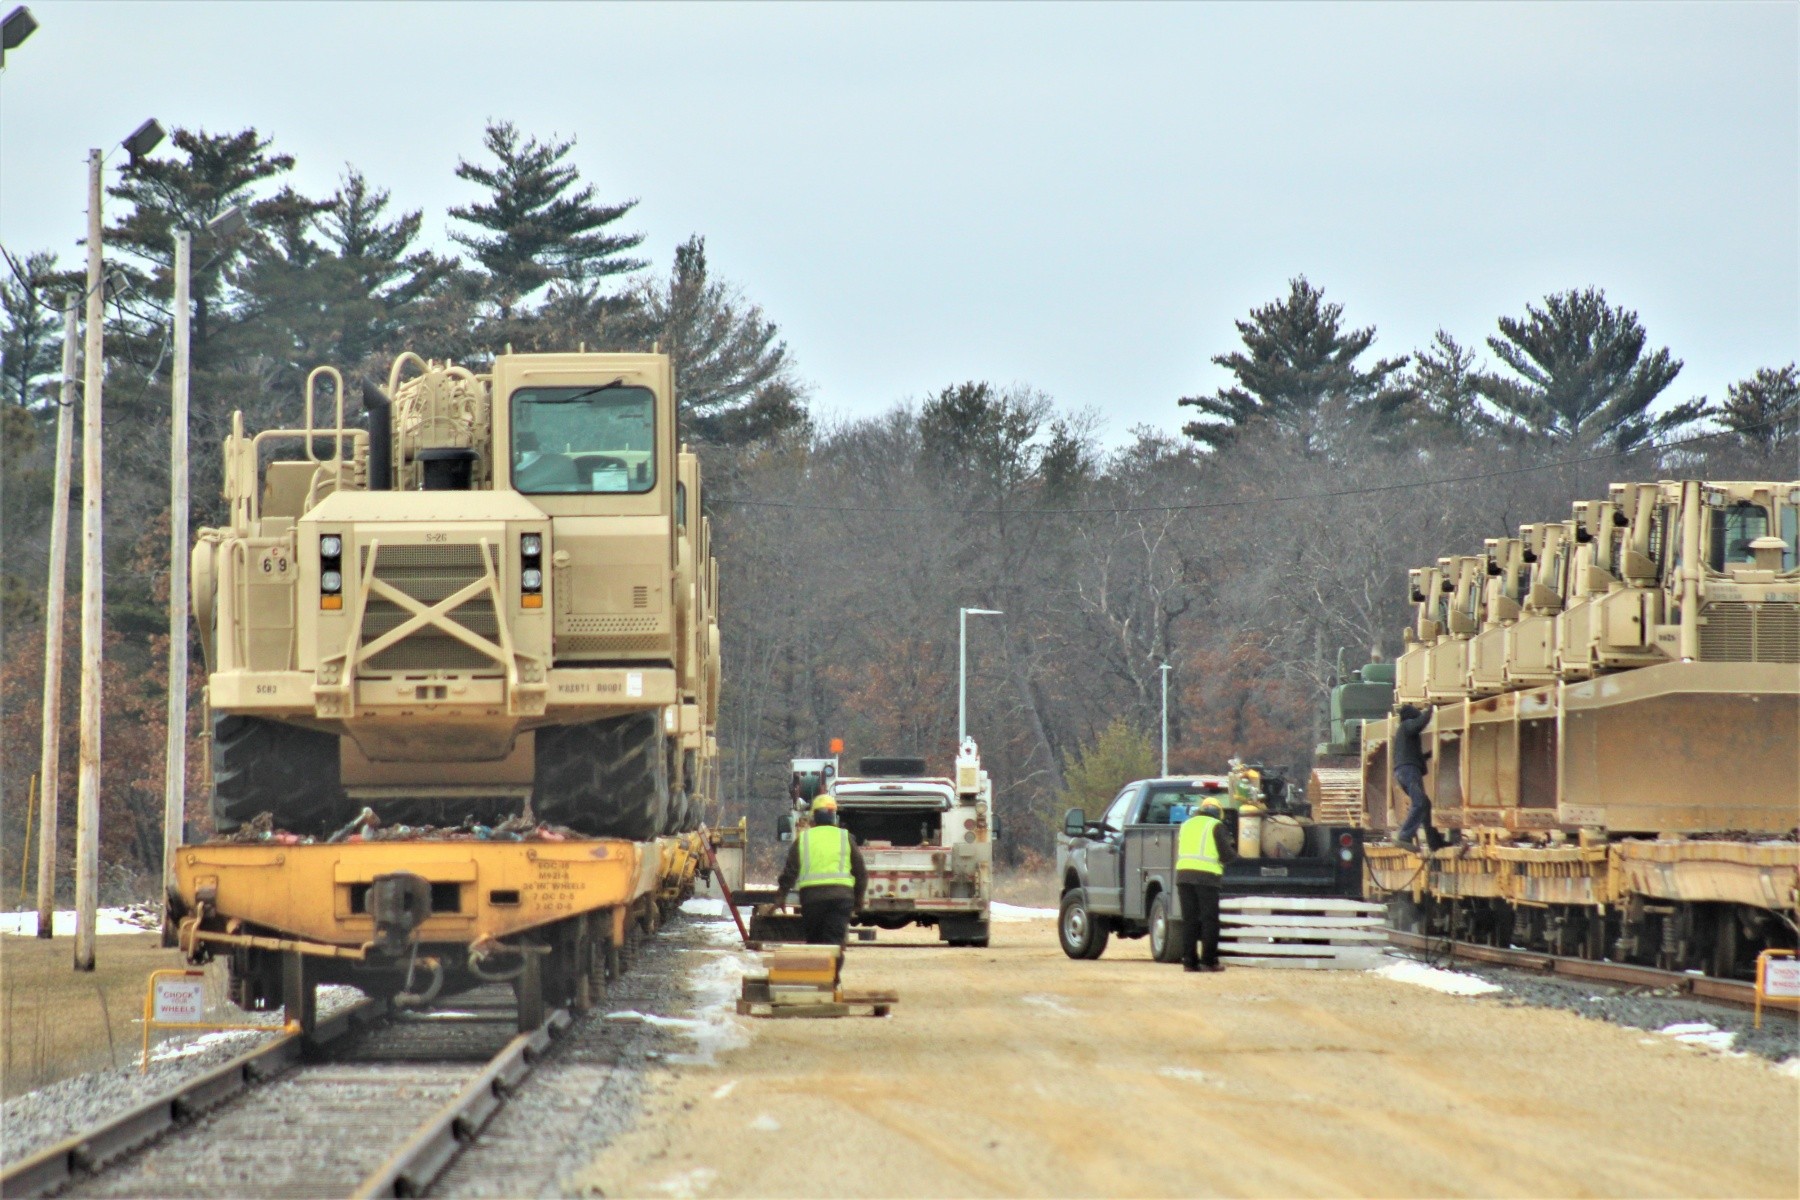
(528, 989)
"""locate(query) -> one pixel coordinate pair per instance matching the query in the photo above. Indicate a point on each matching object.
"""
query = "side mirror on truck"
(1074, 822)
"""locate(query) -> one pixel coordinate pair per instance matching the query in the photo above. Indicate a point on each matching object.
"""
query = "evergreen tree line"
(846, 548)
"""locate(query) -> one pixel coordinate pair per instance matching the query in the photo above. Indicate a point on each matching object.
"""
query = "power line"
(1213, 505)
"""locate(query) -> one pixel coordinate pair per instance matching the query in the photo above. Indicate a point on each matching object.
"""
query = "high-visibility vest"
(825, 858)
(1196, 849)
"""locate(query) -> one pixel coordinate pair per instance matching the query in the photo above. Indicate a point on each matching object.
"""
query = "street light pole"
(87, 802)
(962, 668)
(175, 752)
(1165, 719)
(49, 772)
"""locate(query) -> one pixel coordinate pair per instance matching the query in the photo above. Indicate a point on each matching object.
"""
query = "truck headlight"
(531, 544)
(331, 582)
(331, 546)
(531, 579)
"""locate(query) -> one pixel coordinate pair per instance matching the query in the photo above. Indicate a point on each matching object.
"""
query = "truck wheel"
(262, 766)
(605, 778)
(1080, 934)
(1165, 930)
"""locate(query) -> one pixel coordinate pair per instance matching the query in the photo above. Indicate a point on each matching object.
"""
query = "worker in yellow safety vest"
(1201, 852)
(825, 866)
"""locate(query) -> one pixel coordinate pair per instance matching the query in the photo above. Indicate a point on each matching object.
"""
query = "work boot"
(1212, 966)
(1405, 841)
(1193, 966)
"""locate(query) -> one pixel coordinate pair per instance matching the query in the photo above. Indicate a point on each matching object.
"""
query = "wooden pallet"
(1301, 932)
(848, 1002)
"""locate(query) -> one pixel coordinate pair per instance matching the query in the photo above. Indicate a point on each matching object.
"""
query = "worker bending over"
(1201, 852)
(827, 869)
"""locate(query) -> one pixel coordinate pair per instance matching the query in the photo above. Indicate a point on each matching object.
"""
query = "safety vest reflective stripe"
(825, 858)
(1197, 849)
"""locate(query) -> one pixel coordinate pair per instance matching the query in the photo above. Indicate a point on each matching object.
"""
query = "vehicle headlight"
(531, 544)
(531, 579)
(331, 581)
(331, 546)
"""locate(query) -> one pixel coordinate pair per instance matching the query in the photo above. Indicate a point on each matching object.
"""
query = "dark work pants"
(1199, 923)
(1412, 782)
(826, 922)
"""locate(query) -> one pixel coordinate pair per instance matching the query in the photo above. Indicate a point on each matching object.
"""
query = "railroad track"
(378, 1104)
(1734, 992)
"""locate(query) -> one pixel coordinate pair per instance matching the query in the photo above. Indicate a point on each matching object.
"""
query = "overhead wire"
(1214, 505)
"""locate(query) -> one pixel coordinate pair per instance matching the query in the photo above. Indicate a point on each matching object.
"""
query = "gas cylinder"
(1250, 825)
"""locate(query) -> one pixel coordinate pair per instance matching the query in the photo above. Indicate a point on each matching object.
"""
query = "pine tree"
(537, 228)
(734, 378)
(1763, 410)
(1583, 376)
(1300, 358)
(1436, 400)
(31, 340)
(394, 281)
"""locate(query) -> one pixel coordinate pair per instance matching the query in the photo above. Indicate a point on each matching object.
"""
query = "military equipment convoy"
(1615, 703)
(501, 591)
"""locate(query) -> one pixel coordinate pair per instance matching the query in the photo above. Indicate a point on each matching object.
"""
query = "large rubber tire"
(1080, 934)
(1165, 930)
(262, 766)
(605, 778)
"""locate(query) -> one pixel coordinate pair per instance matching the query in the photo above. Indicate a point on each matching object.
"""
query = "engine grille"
(1737, 631)
(429, 574)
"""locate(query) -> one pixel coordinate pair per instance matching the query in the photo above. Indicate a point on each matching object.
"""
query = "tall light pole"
(175, 751)
(1165, 719)
(962, 668)
(49, 771)
(143, 139)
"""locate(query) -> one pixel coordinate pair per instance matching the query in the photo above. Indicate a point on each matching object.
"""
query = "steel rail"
(412, 1169)
(1733, 992)
(92, 1151)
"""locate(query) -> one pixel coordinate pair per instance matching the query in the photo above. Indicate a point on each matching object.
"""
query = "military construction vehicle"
(499, 593)
(1118, 870)
(1612, 749)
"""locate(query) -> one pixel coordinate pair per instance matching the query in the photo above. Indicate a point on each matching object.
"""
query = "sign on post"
(1777, 979)
(176, 999)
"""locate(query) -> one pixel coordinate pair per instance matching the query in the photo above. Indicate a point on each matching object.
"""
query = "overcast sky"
(1077, 198)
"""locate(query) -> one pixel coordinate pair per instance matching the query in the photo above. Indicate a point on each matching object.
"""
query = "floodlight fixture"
(228, 222)
(143, 139)
(18, 25)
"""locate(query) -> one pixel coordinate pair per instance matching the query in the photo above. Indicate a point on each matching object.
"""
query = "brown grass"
(1029, 888)
(61, 1022)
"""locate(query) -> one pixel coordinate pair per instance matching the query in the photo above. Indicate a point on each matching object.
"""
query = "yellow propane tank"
(1250, 826)
(1283, 837)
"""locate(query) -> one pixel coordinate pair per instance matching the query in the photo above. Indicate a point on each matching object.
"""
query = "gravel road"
(1014, 1071)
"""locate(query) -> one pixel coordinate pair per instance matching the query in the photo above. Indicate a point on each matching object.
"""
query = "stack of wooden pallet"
(807, 981)
(1336, 795)
(1300, 931)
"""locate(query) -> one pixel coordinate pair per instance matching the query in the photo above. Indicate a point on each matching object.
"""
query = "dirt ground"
(1016, 1072)
(61, 1022)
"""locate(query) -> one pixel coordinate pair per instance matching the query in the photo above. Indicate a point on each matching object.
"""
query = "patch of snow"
(1701, 1034)
(1453, 983)
(1789, 1067)
(1052, 1004)
(688, 1184)
(62, 923)
(1186, 1074)
(724, 1090)
(1014, 912)
(700, 906)
(206, 1041)
(764, 1123)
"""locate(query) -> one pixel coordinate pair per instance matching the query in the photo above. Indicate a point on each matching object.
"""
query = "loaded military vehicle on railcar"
(500, 592)
(1118, 870)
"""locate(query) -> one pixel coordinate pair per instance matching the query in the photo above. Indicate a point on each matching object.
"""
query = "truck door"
(1105, 854)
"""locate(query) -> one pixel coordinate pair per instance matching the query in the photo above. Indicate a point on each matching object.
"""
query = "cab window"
(1116, 813)
(1733, 529)
(584, 440)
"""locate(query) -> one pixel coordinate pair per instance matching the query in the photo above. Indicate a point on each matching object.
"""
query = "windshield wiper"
(584, 393)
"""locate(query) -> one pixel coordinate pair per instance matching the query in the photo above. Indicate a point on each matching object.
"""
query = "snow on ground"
(106, 920)
(1453, 983)
(1014, 912)
(1790, 1067)
(1700, 1033)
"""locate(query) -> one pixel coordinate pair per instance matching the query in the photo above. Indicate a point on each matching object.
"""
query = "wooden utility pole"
(175, 756)
(49, 766)
(93, 579)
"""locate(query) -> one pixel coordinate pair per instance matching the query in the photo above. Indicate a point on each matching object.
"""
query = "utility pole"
(1165, 719)
(48, 765)
(175, 756)
(87, 803)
